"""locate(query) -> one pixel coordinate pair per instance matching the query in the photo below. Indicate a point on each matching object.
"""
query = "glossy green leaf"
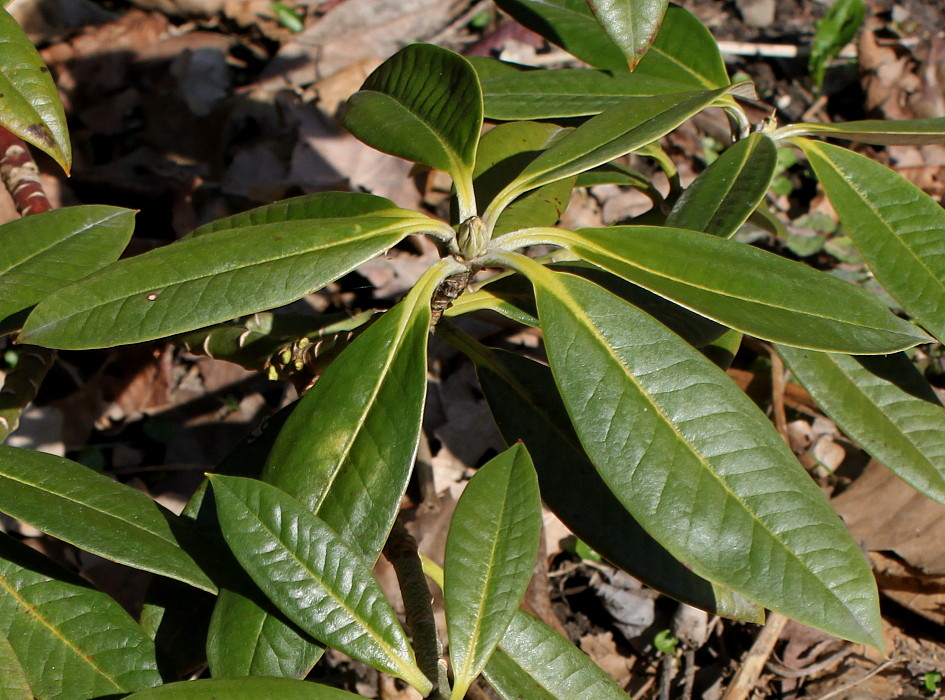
(770, 297)
(348, 448)
(243, 689)
(312, 575)
(309, 207)
(535, 662)
(91, 511)
(527, 407)
(72, 641)
(14, 685)
(524, 93)
(879, 132)
(423, 104)
(609, 135)
(685, 51)
(207, 279)
(883, 403)
(570, 25)
(340, 433)
(899, 230)
(46, 251)
(724, 196)
(503, 152)
(631, 24)
(697, 464)
(490, 555)
(30, 106)
(245, 636)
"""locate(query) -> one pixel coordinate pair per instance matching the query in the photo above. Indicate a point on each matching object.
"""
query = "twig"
(21, 178)
(460, 21)
(747, 676)
(401, 552)
(810, 669)
(669, 669)
(689, 674)
(852, 684)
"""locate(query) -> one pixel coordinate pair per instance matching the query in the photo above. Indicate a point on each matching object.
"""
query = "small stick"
(747, 676)
(843, 688)
(809, 670)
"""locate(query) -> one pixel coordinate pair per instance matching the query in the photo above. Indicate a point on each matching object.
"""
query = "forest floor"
(189, 110)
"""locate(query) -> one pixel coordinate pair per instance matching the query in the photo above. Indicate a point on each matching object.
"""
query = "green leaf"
(46, 251)
(878, 132)
(724, 196)
(423, 104)
(309, 207)
(609, 135)
(30, 107)
(697, 464)
(685, 51)
(769, 297)
(348, 448)
(535, 662)
(490, 555)
(527, 407)
(71, 640)
(325, 457)
(899, 230)
(313, 576)
(631, 24)
(243, 689)
(503, 152)
(14, 685)
(246, 638)
(208, 279)
(523, 93)
(363, 412)
(884, 404)
(834, 31)
(570, 25)
(97, 514)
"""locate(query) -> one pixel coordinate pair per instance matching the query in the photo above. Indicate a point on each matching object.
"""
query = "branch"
(21, 178)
